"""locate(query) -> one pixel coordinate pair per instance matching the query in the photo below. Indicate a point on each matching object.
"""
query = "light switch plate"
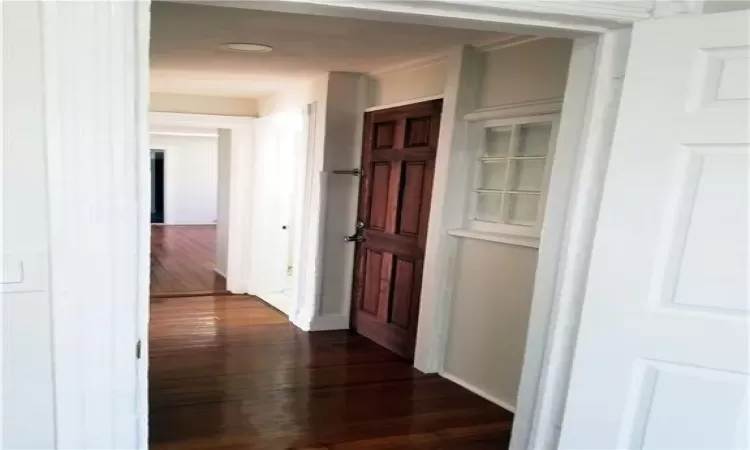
(24, 272)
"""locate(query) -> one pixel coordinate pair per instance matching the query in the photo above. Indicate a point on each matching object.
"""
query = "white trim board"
(581, 158)
(95, 70)
(500, 238)
(480, 392)
(510, 110)
(331, 322)
(550, 19)
(426, 61)
(404, 103)
(508, 42)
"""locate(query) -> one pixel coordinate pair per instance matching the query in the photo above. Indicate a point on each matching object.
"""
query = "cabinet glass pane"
(522, 209)
(527, 174)
(489, 207)
(497, 141)
(533, 139)
(492, 175)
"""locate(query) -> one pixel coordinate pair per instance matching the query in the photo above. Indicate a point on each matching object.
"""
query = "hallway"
(229, 372)
(182, 261)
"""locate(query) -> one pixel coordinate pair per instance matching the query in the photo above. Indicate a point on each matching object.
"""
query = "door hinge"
(138, 349)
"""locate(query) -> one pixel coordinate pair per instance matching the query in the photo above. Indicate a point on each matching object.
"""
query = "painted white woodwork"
(589, 112)
(306, 227)
(93, 60)
(554, 19)
(513, 161)
(513, 239)
(510, 110)
(479, 391)
(490, 309)
(279, 150)
(452, 168)
(240, 201)
(223, 194)
(668, 287)
(342, 149)
(26, 350)
(405, 102)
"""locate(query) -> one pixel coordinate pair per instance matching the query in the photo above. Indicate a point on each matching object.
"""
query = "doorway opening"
(406, 154)
(185, 187)
(157, 186)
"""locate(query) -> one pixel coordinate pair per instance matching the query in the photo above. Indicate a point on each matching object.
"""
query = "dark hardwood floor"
(229, 372)
(182, 261)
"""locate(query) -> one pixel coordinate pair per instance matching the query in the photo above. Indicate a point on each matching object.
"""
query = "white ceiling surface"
(186, 56)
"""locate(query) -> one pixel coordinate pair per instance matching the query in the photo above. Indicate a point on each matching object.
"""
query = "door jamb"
(597, 67)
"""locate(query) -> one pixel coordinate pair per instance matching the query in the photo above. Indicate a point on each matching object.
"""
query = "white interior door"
(278, 152)
(662, 355)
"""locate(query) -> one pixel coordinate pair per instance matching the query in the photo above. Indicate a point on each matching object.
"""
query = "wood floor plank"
(183, 261)
(229, 372)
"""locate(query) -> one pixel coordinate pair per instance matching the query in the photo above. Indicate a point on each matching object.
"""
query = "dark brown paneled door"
(398, 162)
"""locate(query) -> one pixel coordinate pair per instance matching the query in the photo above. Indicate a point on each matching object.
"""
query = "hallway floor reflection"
(230, 372)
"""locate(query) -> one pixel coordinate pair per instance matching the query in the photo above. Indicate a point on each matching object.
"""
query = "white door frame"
(100, 401)
(240, 204)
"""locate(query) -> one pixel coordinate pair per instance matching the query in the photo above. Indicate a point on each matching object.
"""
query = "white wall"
(490, 313)
(190, 178)
(342, 150)
(494, 282)
(199, 104)
(27, 391)
(224, 150)
(408, 83)
(523, 73)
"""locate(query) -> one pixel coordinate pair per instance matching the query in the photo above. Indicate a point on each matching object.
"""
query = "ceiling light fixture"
(246, 47)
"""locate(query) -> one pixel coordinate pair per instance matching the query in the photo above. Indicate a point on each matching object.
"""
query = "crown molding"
(431, 60)
(563, 18)
(618, 11)
(438, 58)
(511, 41)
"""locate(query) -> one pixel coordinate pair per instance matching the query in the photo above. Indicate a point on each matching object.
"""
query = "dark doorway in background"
(157, 186)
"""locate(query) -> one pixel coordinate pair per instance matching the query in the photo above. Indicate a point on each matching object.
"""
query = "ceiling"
(186, 56)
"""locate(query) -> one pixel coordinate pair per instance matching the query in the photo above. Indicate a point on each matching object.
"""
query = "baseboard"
(331, 322)
(219, 272)
(480, 392)
(277, 301)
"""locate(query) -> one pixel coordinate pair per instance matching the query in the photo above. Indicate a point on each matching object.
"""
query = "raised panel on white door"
(710, 226)
(651, 422)
(662, 352)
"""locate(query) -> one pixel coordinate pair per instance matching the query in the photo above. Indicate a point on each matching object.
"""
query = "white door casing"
(662, 352)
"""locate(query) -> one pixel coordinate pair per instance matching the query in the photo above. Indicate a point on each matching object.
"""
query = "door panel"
(398, 159)
(662, 352)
